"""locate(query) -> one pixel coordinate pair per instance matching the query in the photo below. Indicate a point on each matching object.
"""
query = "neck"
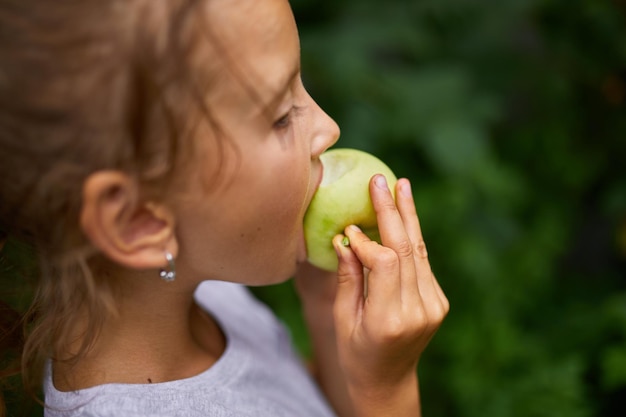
(159, 335)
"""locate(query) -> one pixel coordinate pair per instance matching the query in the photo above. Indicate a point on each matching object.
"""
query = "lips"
(318, 181)
(302, 252)
(321, 177)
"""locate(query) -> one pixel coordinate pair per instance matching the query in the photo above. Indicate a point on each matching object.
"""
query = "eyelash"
(285, 121)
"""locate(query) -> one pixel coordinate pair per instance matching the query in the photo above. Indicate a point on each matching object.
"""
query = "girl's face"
(249, 229)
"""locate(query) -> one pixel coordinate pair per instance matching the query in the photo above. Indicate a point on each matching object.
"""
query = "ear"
(131, 232)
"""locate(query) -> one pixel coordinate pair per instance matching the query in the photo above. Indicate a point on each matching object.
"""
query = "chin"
(289, 273)
(278, 273)
(272, 280)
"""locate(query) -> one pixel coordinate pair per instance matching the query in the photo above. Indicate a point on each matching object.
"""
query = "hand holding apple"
(387, 303)
(342, 199)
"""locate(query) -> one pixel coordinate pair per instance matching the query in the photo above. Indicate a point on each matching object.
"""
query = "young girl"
(160, 156)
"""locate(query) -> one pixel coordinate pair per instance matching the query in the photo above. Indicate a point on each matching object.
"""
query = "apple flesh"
(342, 199)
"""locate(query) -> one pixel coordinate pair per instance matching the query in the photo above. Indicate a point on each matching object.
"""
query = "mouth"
(316, 185)
(313, 187)
(302, 255)
(321, 177)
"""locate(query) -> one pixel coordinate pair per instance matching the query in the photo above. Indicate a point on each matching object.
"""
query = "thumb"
(350, 282)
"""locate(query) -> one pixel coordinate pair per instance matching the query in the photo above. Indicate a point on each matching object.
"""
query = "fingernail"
(405, 188)
(354, 228)
(381, 182)
(339, 244)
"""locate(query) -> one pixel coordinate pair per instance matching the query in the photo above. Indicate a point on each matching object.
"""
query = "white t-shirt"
(258, 375)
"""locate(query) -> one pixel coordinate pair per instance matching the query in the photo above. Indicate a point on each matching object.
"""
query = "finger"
(429, 287)
(408, 213)
(393, 232)
(350, 284)
(383, 263)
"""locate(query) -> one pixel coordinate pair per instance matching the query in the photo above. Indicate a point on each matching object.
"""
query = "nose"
(325, 132)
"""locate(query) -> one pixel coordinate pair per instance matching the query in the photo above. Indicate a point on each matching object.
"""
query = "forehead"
(256, 45)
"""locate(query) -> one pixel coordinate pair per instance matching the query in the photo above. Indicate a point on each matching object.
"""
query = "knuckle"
(404, 249)
(387, 259)
(420, 323)
(343, 276)
(420, 318)
(393, 330)
(419, 248)
(445, 305)
(437, 313)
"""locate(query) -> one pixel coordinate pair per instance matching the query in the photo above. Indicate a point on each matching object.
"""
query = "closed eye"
(285, 120)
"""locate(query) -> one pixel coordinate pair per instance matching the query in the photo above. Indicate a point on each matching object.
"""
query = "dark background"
(509, 117)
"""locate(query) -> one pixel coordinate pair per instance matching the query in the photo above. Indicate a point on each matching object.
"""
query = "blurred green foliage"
(509, 117)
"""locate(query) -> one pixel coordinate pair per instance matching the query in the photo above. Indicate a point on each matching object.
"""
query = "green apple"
(342, 199)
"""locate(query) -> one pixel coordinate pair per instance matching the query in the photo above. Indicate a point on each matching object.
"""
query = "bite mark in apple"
(342, 199)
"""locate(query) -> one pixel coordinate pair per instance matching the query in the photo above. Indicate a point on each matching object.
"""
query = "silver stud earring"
(168, 274)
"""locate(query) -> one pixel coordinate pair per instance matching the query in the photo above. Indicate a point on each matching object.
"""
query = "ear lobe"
(129, 231)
